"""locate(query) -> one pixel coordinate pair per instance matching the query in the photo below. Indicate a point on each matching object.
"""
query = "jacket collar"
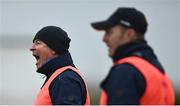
(52, 65)
(132, 48)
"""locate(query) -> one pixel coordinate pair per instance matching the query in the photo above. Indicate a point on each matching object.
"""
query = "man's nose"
(32, 47)
(105, 38)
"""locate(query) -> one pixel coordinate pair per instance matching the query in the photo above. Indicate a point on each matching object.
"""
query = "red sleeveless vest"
(158, 91)
(43, 97)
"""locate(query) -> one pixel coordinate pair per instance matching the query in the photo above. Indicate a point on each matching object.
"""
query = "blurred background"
(21, 19)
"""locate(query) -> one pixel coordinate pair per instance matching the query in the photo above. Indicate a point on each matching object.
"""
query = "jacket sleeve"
(125, 85)
(67, 89)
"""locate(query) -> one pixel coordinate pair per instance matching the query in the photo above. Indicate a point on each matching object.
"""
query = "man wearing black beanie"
(63, 84)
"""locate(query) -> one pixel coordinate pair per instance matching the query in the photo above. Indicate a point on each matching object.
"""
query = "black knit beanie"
(55, 37)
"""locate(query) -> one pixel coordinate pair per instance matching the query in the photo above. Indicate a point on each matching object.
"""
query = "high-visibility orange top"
(43, 97)
(158, 91)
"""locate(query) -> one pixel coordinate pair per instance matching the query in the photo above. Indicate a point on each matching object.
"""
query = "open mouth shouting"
(37, 57)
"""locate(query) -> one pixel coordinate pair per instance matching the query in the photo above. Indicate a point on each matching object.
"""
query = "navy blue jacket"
(66, 88)
(125, 84)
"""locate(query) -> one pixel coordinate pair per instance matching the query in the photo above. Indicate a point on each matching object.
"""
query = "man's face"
(41, 52)
(115, 37)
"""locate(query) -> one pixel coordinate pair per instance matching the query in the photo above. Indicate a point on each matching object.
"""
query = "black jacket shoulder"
(124, 84)
(68, 88)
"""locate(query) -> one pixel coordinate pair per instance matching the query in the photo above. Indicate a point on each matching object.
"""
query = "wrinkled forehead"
(38, 41)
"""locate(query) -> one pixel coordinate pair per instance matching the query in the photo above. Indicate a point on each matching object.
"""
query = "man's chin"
(110, 54)
(38, 66)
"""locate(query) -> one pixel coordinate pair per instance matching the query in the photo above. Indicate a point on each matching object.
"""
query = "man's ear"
(131, 34)
(53, 52)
